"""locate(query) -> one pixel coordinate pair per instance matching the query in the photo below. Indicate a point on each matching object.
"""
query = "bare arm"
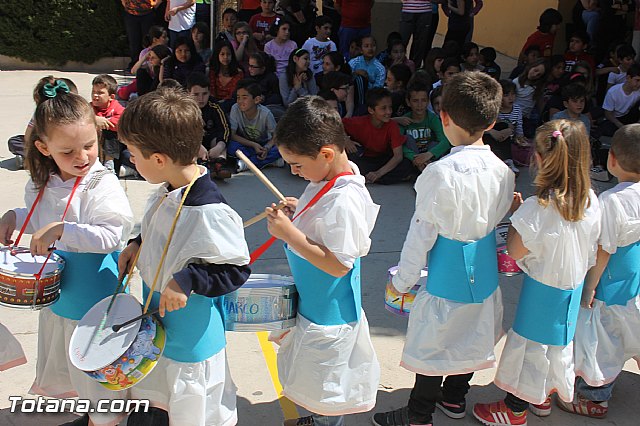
(593, 277)
(612, 118)
(458, 9)
(390, 165)
(515, 246)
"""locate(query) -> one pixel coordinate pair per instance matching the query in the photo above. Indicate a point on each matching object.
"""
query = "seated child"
(574, 97)
(621, 103)
(331, 98)
(625, 55)
(544, 37)
(578, 44)
(470, 57)
(281, 45)
(224, 74)
(182, 62)
(488, 62)
(508, 127)
(229, 19)
(319, 45)
(426, 141)
(339, 84)
(398, 77)
(260, 23)
(200, 38)
(398, 55)
(213, 150)
(252, 128)
(449, 68)
(376, 142)
(326, 363)
(609, 318)
(367, 65)
(459, 201)
(297, 79)
(108, 111)
(207, 257)
(531, 54)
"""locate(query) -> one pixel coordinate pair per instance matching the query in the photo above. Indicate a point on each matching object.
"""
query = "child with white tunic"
(609, 320)
(206, 257)
(456, 319)
(65, 174)
(553, 237)
(11, 353)
(326, 363)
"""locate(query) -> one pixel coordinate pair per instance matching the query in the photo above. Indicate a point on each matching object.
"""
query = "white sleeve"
(526, 221)
(612, 218)
(609, 101)
(107, 219)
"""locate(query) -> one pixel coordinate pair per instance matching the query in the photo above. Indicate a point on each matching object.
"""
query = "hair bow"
(52, 90)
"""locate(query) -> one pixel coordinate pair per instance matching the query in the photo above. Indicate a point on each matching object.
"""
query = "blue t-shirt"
(564, 114)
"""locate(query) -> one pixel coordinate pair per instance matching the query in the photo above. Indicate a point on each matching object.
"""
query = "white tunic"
(99, 220)
(607, 336)
(333, 370)
(560, 254)
(11, 353)
(463, 196)
(193, 393)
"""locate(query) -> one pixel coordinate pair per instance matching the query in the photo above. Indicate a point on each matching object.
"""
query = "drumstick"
(256, 171)
(117, 327)
(261, 216)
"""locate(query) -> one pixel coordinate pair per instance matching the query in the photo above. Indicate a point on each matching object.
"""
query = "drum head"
(423, 274)
(501, 233)
(93, 347)
(22, 263)
(267, 281)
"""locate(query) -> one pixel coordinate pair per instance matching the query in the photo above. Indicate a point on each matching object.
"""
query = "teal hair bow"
(52, 90)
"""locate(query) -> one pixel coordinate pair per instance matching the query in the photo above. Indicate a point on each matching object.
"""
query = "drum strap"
(257, 253)
(33, 207)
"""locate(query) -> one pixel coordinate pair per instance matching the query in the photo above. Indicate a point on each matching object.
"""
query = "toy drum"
(117, 360)
(506, 265)
(264, 303)
(397, 303)
(19, 287)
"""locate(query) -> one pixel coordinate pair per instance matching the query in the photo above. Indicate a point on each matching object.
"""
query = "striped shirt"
(416, 6)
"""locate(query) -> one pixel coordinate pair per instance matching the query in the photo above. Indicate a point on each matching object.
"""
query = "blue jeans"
(272, 155)
(591, 19)
(345, 35)
(328, 420)
(600, 393)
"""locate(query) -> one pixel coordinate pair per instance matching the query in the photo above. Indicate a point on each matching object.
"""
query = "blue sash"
(195, 332)
(323, 298)
(86, 279)
(621, 279)
(463, 272)
(547, 314)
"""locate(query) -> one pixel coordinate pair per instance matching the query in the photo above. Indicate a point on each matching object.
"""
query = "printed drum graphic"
(400, 304)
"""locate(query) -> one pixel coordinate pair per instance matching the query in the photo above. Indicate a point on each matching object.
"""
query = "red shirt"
(355, 13)
(112, 112)
(543, 41)
(261, 24)
(570, 60)
(250, 4)
(376, 142)
(219, 91)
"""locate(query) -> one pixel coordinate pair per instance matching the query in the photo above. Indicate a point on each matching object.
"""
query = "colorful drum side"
(265, 302)
(506, 264)
(18, 284)
(117, 360)
(398, 303)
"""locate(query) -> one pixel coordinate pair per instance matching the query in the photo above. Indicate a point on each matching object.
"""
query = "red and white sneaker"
(498, 414)
(541, 410)
(584, 407)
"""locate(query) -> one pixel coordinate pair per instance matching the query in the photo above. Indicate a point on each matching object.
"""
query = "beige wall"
(505, 24)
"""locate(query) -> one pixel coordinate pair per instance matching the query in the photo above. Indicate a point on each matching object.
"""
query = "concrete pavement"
(257, 400)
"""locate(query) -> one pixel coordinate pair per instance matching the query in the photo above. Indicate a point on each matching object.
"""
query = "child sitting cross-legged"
(252, 128)
(574, 97)
(376, 143)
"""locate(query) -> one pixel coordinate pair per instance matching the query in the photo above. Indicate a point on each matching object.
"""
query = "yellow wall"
(505, 24)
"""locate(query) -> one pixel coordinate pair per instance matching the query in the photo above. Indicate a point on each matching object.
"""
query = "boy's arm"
(211, 279)
(609, 115)
(222, 130)
(246, 142)
(593, 277)
(390, 165)
(443, 143)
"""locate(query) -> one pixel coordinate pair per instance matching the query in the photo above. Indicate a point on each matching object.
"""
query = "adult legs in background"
(137, 26)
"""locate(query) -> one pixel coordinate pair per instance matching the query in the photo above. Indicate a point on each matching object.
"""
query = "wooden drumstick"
(256, 171)
(261, 216)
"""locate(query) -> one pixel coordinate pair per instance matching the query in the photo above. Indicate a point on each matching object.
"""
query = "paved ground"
(257, 400)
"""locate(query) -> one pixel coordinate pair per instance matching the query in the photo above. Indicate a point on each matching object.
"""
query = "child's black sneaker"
(454, 411)
(399, 417)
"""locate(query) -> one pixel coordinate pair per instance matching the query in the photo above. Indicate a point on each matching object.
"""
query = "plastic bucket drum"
(397, 303)
(506, 264)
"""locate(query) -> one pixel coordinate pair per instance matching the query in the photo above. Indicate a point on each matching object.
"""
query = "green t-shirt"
(429, 136)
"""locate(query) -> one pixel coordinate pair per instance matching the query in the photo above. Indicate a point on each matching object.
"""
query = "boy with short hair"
(367, 65)
(229, 19)
(108, 111)
(621, 102)
(610, 306)
(379, 141)
(426, 141)
(319, 45)
(574, 97)
(448, 68)
(207, 257)
(626, 54)
(545, 36)
(261, 23)
(213, 150)
(488, 57)
(252, 128)
(459, 201)
(578, 44)
(339, 84)
(326, 363)
(530, 55)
